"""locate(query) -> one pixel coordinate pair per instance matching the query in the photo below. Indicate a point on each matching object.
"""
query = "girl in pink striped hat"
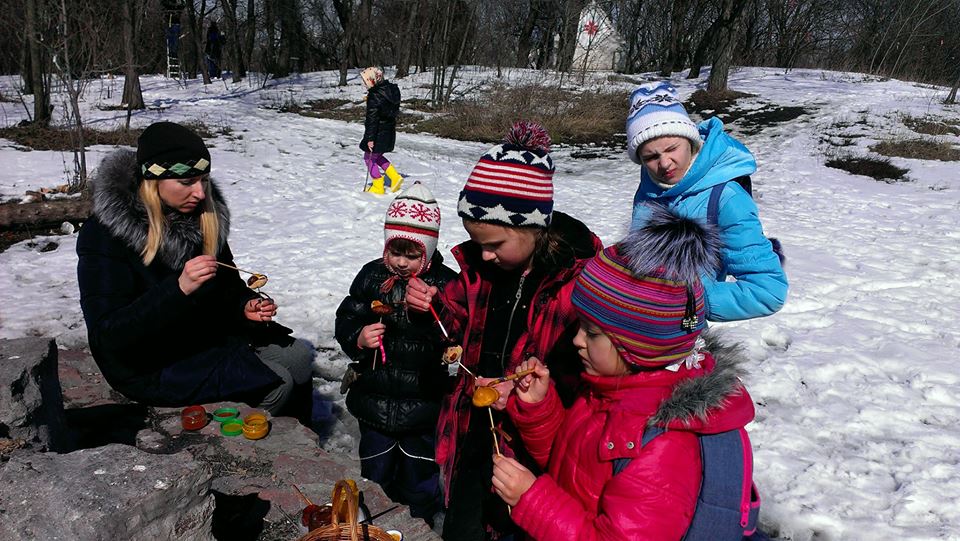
(510, 302)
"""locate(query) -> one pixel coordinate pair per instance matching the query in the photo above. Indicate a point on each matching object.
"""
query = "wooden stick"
(514, 376)
(302, 497)
(472, 375)
(493, 430)
(234, 268)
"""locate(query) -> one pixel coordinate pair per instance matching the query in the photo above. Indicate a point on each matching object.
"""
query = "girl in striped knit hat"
(641, 309)
(511, 301)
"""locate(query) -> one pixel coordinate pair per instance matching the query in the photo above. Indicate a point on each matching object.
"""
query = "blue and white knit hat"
(512, 184)
(656, 111)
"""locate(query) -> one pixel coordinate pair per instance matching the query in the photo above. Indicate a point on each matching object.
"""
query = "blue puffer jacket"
(760, 288)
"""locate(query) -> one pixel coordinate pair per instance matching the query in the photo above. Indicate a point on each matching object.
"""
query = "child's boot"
(376, 187)
(395, 179)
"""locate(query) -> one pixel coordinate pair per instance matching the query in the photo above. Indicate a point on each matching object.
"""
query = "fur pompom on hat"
(414, 215)
(512, 184)
(169, 150)
(645, 292)
(656, 111)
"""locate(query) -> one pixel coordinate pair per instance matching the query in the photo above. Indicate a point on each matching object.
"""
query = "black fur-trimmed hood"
(692, 399)
(118, 207)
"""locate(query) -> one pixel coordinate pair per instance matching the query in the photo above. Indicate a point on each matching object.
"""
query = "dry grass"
(332, 108)
(876, 168)
(716, 103)
(569, 117)
(929, 126)
(918, 149)
(35, 137)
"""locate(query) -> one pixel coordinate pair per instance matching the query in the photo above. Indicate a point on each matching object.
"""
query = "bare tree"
(234, 49)
(195, 25)
(132, 94)
(41, 91)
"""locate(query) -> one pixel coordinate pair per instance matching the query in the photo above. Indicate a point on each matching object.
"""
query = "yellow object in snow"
(395, 179)
(376, 187)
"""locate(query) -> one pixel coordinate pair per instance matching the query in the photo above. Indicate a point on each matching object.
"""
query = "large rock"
(112, 492)
(31, 407)
(255, 478)
(252, 480)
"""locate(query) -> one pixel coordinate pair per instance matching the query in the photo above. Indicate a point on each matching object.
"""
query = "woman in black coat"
(380, 129)
(167, 324)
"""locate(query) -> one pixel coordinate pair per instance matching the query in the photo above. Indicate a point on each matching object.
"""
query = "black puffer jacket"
(153, 343)
(404, 394)
(380, 124)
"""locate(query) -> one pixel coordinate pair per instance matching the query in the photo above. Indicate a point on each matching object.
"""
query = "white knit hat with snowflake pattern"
(414, 215)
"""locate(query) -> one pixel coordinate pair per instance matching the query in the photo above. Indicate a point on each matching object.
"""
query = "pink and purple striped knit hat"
(512, 184)
(645, 291)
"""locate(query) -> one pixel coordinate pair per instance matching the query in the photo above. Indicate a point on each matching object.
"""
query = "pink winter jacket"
(655, 495)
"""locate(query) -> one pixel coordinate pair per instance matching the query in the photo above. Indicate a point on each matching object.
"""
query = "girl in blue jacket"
(683, 165)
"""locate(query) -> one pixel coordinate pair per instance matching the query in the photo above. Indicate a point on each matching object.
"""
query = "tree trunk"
(570, 27)
(132, 94)
(673, 46)
(730, 15)
(403, 64)
(952, 96)
(525, 39)
(233, 41)
(196, 28)
(347, 18)
(251, 32)
(25, 67)
(44, 213)
(41, 93)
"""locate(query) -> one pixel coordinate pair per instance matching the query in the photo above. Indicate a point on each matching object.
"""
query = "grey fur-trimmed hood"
(118, 207)
(694, 398)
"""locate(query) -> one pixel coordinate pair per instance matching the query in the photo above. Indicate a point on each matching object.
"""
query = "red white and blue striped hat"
(645, 292)
(512, 184)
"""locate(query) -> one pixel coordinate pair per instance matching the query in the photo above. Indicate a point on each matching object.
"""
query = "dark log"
(44, 213)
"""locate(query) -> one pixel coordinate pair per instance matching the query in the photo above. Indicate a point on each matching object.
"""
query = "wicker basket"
(346, 528)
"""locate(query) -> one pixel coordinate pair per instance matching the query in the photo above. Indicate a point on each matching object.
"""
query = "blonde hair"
(157, 222)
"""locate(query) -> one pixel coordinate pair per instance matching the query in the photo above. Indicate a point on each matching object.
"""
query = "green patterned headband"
(193, 168)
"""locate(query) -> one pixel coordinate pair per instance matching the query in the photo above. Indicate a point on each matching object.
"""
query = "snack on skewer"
(452, 354)
(381, 309)
(256, 281)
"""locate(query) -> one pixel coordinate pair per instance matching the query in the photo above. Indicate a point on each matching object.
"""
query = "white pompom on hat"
(656, 111)
(414, 215)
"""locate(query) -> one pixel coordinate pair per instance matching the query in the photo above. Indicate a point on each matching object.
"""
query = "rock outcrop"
(192, 484)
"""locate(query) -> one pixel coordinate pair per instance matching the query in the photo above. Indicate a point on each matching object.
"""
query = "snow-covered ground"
(858, 427)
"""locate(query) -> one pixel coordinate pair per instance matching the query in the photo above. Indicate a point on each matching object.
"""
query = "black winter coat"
(404, 394)
(154, 344)
(380, 124)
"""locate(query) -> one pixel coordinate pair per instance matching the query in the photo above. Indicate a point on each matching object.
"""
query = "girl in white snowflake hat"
(396, 379)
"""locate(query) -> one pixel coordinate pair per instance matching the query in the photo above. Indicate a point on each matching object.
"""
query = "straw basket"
(344, 525)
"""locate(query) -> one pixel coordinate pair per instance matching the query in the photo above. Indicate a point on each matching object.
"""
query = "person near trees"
(510, 301)
(170, 321)
(684, 166)
(380, 129)
(213, 49)
(395, 393)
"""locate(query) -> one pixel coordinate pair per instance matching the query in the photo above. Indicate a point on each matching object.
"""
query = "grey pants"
(293, 363)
